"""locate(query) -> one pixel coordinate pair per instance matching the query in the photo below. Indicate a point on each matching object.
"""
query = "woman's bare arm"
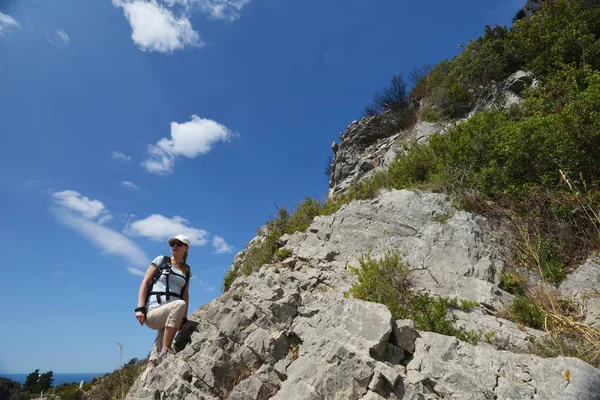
(186, 295)
(139, 315)
(144, 285)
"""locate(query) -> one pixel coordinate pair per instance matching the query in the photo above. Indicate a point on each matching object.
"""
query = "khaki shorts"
(169, 315)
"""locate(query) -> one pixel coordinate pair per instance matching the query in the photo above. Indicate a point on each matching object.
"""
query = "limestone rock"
(518, 81)
(444, 367)
(583, 286)
(452, 253)
(363, 147)
(287, 332)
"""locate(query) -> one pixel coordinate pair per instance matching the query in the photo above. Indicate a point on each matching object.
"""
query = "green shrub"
(564, 32)
(231, 275)
(303, 215)
(387, 281)
(512, 281)
(524, 311)
(456, 85)
(428, 114)
(553, 267)
(282, 254)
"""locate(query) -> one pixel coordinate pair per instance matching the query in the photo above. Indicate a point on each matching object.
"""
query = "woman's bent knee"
(178, 306)
(179, 303)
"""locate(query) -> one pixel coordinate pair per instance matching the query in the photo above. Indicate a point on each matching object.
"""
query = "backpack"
(165, 268)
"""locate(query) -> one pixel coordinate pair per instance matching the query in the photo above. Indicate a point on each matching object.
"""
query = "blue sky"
(124, 122)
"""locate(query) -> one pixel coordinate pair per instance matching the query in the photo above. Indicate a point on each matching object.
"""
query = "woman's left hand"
(140, 317)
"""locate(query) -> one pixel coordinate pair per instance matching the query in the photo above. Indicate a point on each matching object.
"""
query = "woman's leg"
(167, 318)
(174, 320)
(158, 345)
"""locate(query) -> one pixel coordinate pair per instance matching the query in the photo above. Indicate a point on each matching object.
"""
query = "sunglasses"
(176, 244)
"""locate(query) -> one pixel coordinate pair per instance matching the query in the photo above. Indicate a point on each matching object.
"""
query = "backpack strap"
(164, 265)
(187, 279)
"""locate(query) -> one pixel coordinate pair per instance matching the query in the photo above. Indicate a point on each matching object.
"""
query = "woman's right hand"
(140, 317)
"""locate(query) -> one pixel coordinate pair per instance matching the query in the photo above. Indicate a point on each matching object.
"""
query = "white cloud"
(159, 162)
(63, 36)
(75, 202)
(6, 22)
(221, 246)
(228, 10)
(135, 271)
(118, 156)
(160, 228)
(130, 185)
(109, 241)
(188, 139)
(155, 28)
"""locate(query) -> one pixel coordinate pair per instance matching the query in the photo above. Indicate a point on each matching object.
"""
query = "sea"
(59, 378)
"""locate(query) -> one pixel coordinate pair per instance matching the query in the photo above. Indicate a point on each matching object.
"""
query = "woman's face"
(178, 248)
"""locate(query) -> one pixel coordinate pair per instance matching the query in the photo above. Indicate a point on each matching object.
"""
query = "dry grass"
(565, 333)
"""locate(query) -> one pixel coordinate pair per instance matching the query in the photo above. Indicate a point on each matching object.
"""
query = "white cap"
(181, 238)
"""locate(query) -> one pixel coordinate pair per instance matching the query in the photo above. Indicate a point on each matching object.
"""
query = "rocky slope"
(288, 332)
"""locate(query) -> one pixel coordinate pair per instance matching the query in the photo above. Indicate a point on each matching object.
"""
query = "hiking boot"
(166, 352)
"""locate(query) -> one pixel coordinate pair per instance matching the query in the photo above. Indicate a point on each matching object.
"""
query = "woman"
(163, 297)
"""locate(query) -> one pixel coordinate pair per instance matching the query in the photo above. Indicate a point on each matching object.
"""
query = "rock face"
(454, 253)
(287, 331)
(364, 146)
(444, 367)
(530, 8)
(371, 144)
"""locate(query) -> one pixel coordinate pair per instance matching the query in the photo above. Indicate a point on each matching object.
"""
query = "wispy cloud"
(155, 28)
(63, 36)
(135, 271)
(110, 241)
(75, 202)
(228, 10)
(188, 139)
(8, 232)
(160, 228)
(130, 185)
(120, 157)
(221, 245)
(7, 22)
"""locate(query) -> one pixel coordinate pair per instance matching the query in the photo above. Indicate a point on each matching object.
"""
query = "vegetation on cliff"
(535, 164)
